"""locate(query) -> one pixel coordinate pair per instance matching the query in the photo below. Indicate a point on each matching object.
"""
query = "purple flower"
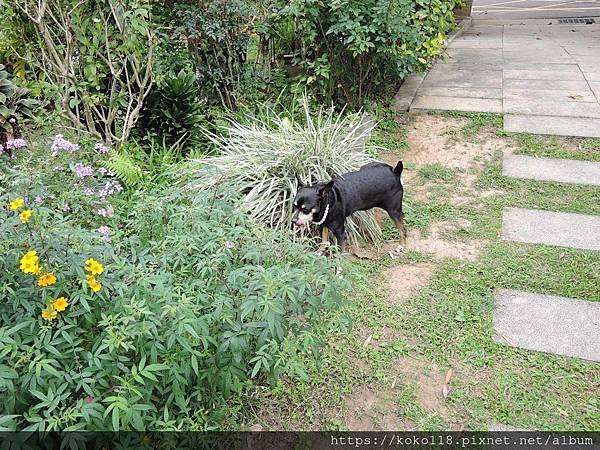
(58, 168)
(39, 200)
(102, 171)
(110, 188)
(61, 144)
(101, 148)
(105, 232)
(105, 212)
(88, 191)
(15, 144)
(66, 207)
(83, 171)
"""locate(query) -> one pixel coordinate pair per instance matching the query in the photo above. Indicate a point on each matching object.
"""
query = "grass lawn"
(420, 353)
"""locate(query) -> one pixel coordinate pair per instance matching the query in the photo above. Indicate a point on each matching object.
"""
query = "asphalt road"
(535, 9)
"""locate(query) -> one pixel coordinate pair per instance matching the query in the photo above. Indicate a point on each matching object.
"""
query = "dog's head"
(308, 203)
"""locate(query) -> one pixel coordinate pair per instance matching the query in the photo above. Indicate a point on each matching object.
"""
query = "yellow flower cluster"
(58, 305)
(30, 263)
(94, 268)
(25, 215)
(16, 203)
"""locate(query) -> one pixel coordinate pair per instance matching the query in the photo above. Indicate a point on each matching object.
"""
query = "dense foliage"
(346, 51)
(151, 320)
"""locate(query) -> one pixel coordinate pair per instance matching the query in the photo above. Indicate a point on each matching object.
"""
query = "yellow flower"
(93, 283)
(94, 267)
(46, 279)
(16, 203)
(49, 314)
(25, 215)
(29, 263)
(60, 304)
(30, 256)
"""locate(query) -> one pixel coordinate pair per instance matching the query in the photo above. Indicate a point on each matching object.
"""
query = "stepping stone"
(548, 323)
(543, 107)
(551, 228)
(554, 125)
(551, 169)
(560, 75)
(425, 102)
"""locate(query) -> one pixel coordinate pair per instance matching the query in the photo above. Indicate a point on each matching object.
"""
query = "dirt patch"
(435, 244)
(427, 380)
(370, 408)
(405, 280)
(431, 141)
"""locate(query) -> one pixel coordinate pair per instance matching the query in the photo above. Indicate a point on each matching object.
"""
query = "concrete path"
(547, 323)
(551, 169)
(551, 228)
(534, 9)
(544, 76)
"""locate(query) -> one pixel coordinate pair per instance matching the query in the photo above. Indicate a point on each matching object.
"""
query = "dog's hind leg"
(397, 216)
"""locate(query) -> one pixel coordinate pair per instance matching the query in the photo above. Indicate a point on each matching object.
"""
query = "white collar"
(322, 221)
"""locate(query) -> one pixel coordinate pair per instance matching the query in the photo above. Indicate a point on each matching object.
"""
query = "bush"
(263, 160)
(193, 303)
(347, 51)
(98, 56)
(15, 105)
(172, 111)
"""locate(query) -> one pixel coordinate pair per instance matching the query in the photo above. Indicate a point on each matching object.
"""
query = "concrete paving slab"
(461, 92)
(551, 228)
(552, 125)
(544, 84)
(406, 94)
(579, 95)
(543, 75)
(425, 103)
(464, 79)
(594, 76)
(552, 169)
(513, 105)
(548, 323)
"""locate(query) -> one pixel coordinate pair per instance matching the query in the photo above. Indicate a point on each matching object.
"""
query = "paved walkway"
(544, 76)
(533, 321)
(534, 9)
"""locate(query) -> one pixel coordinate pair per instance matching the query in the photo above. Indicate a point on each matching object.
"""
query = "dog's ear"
(326, 189)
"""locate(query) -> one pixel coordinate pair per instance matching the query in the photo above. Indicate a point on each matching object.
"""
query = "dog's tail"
(398, 169)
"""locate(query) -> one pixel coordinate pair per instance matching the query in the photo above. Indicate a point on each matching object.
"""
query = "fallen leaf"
(576, 96)
(449, 375)
(368, 340)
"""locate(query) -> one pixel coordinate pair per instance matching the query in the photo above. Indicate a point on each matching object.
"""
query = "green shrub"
(347, 51)
(263, 159)
(172, 111)
(15, 105)
(196, 304)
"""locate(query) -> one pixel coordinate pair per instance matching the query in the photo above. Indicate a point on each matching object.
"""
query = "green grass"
(552, 147)
(449, 323)
(476, 123)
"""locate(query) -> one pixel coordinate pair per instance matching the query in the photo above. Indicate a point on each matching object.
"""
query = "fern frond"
(125, 167)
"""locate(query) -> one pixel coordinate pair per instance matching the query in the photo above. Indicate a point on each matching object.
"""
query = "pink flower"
(61, 144)
(101, 148)
(39, 200)
(15, 144)
(83, 171)
(105, 212)
(105, 232)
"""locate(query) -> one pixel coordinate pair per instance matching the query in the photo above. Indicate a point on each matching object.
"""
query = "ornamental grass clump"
(265, 159)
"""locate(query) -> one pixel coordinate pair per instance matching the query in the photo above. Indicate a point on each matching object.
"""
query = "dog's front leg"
(339, 231)
(324, 234)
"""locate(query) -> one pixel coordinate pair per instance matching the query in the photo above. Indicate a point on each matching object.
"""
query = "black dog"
(328, 204)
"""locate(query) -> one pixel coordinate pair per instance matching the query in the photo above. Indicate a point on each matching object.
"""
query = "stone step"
(551, 169)
(548, 323)
(555, 125)
(551, 228)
